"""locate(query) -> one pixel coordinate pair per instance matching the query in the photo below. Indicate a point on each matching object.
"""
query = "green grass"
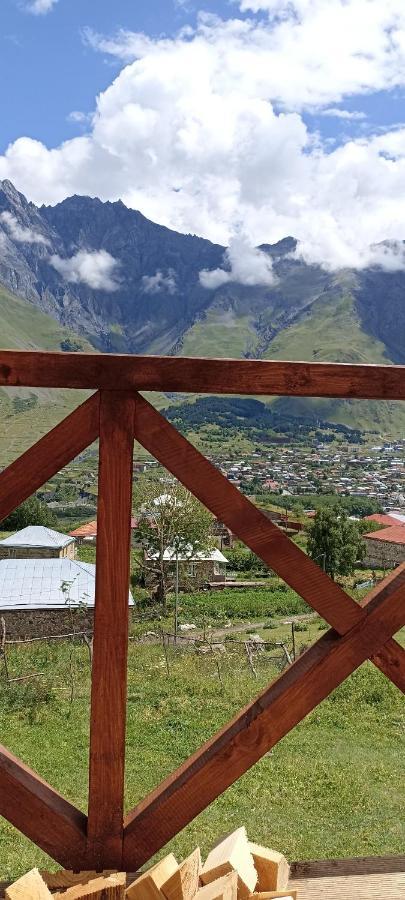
(335, 786)
(220, 334)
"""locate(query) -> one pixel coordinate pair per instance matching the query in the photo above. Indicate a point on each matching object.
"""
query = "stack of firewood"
(235, 869)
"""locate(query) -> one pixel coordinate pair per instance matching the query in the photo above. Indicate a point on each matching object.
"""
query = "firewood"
(273, 871)
(148, 885)
(65, 878)
(184, 883)
(224, 888)
(275, 895)
(232, 854)
(103, 887)
(29, 887)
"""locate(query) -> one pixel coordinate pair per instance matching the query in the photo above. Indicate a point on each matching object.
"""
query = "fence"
(117, 414)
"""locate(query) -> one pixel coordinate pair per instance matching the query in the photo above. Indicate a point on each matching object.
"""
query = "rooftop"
(393, 535)
(37, 536)
(46, 584)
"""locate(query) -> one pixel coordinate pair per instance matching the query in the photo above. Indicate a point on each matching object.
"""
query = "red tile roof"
(394, 535)
(384, 520)
(90, 529)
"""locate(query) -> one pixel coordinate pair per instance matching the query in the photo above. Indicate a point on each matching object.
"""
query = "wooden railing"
(117, 414)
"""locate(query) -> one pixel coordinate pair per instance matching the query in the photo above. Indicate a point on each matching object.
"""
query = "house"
(195, 569)
(37, 542)
(386, 521)
(47, 596)
(385, 549)
(87, 533)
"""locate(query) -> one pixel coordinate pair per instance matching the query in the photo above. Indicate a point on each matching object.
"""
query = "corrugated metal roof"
(202, 556)
(37, 536)
(46, 584)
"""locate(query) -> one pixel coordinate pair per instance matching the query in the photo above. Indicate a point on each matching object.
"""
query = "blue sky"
(242, 121)
(46, 71)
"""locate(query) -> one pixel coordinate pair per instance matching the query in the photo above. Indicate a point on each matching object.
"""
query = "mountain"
(126, 284)
(27, 413)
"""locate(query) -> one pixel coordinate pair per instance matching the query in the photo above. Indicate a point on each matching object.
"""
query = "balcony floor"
(350, 879)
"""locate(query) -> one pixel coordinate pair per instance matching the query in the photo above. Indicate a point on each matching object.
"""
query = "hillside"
(125, 284)
(27, 413)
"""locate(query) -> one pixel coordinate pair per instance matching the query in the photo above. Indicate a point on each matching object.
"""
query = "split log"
(272, 868)
(148, 885)
(232, 854)
(224, 888)
(104, 887)
(30, 887)
(184, 883)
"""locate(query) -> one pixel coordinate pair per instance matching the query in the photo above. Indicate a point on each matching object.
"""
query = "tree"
(335, 542)
(31, 512)
(171, 519)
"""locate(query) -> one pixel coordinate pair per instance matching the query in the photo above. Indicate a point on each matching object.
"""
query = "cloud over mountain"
(210, 128)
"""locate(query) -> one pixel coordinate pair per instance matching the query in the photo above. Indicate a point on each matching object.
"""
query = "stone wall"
(7, 552)
(22, 624)
(383, 554)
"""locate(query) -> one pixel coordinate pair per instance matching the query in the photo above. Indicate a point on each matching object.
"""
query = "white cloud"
(153, 284)
(244, 264)
(96, 268)
(78, 117)
(206, 129)
(20, 233)
(336, 113)
(41, 7)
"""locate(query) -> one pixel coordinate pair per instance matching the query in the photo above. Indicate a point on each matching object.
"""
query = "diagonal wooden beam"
(202, 376)
(50, 454)
(110, 644)
(257, 728)
(40, 813)
(232, 508)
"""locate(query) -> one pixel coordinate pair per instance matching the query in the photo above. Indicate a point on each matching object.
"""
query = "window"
(191, 570)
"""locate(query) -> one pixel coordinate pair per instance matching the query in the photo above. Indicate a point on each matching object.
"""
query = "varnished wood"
(257, 728)
(110, 644)
(50, 454)
(210, 376)
(257, 531)
(39, 812)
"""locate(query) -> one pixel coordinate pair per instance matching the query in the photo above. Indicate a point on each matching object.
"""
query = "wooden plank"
(149, 885)
(110, 644)
(223, 888)
(357, 865)
(257, 531)
(39, 812)
(351, 887)
(232, 854)
(257, 728)
(196, 375)
(50, 454)
(183, 883)
(30, 886)
(102, 887)
(271, 866)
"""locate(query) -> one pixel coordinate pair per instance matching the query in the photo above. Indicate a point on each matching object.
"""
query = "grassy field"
(334, 787)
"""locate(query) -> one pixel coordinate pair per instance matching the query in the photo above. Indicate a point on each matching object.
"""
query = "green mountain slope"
(27, 413)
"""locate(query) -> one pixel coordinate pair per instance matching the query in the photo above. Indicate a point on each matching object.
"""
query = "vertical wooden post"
(110, 648)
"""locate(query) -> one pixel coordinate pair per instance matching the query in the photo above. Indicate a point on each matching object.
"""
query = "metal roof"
(37, 536)
(169, 555)
(27, 584)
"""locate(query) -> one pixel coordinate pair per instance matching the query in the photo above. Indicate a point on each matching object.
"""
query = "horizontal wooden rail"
(195, 375)
(257, 728)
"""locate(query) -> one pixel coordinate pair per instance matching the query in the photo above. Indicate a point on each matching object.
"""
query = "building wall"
(383, 554)
(67, 552)
(22, 624)
(202, 572)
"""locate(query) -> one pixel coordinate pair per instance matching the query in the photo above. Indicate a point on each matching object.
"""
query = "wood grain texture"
(39, 812)
(30, 886)
(196, 375)
(102, 887)
(110, 644)
(50, 454)
(390, 886)
(251, 525)
(257, 728)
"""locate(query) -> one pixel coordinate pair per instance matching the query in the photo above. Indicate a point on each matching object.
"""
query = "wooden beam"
(39, 812)
(251, 525)
(195, 375)
(257, 728)
(50, 454)
(110, 644)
